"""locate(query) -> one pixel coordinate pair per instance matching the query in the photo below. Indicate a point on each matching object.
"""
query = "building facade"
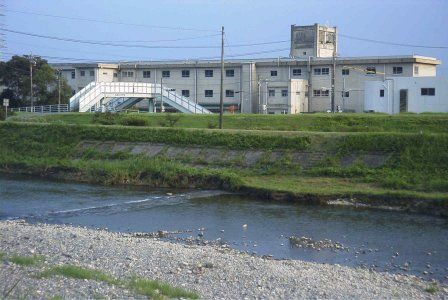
(300, 83)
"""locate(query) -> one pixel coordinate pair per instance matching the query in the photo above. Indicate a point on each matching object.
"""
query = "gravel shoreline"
(211, 271)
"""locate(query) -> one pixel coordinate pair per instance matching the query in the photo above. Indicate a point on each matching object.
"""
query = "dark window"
(325, 93)
(398, 70)
(186, 93)
(230, 93)
(185, 73)
(345, 72)
(316, 93)
(208, 73)
(230, 73)
(115, 74)
(284, 93)
(92, 73)
(273, 73)
(416, 70)
(381, 93)
(346, 94)
(83, 73)
(370, 70)
(73, 92)
(325, 71)
(317, 71)
(428, 91)
(166, 74)
(73, 74)
(208, 93)
(296, 72)
(146, 74)
(271, 93)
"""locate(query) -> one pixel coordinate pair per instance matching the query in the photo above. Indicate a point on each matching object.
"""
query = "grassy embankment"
(417, 169)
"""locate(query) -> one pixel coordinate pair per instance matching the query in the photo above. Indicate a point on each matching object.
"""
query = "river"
(382, 240)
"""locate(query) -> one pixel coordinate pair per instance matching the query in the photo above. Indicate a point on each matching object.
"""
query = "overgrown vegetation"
(417, 164)
(26, 260)
(145, 287)
(412, 123)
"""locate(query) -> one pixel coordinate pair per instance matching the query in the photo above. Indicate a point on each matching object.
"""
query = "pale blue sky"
(420, 22)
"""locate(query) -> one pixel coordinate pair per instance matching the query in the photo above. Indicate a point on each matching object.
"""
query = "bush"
(105, 118)
(170, 120)
(130, 121)
(3, 114)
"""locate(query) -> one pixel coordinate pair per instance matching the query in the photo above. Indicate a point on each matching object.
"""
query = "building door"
(403, 101)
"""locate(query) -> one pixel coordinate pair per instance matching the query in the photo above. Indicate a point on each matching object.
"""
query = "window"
(146, 74)
(321, 93)
(230, 93)
(185, 73)
(346, 94)
(397, 70)
(166, 74)
(186, 93)
(230, 73)
(92, 73)
(127, 74)
(428, 91)
(83, 73)
(325, 71)
(284, 93)
(345, 72)
(296, 72)
(304, 53)
(370, 70)
(271, 93)
(115, 74)
(104, 73)
(317, 71)
(273, 73)
(381, 93)
(208, 93)
(208, 73)
(416, 70)
(73, 74)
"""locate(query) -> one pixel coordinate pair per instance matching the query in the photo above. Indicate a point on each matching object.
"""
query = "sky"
(197, 23)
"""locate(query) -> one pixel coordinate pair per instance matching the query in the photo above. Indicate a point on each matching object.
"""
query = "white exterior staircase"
(96, 94)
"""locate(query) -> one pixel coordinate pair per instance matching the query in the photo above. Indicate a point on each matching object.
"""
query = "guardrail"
(43, 109)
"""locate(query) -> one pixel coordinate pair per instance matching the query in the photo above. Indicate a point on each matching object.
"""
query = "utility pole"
(221, 97)
(333, 76)
(59, 90)
(162, 109)
(31, 81)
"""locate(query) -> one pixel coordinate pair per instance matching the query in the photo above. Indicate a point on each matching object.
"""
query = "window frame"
(208, 73)
(427, 91)
(185, 73)
(382, 93)
(230, 71)
(230, 93)
(274, 73)
(345, 72)
(317, 71)
(316, 93)
(284, 93)
(166, 73)
(298, 73)
(73, 75)
(92, 73)
(271, 93)
(416, 70)
(82, 73)
(185, 93)
(396, 69)
(146, 74)
(327, 71)
(208, 93)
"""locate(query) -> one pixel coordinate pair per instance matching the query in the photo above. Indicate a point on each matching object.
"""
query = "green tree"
(15, 78)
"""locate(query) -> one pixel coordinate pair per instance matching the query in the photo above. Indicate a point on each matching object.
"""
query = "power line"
(109, 22)
(391, 43)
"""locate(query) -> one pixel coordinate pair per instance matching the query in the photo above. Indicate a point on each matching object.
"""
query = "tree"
(15, 78)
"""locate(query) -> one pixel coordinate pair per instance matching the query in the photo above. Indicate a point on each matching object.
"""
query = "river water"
(382, 240)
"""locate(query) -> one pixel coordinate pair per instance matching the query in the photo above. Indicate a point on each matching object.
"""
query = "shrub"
(105, 118)
(170, 120)
(132, 121)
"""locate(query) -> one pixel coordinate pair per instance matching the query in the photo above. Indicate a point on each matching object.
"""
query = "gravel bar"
(212, 271)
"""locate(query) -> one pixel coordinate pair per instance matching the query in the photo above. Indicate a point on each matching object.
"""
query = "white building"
(300, 83)
(407, 94)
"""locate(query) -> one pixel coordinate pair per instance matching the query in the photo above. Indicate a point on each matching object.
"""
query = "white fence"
(43, 109)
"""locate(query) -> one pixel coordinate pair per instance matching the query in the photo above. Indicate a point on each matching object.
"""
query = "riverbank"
(400, 170)
(208, 271)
